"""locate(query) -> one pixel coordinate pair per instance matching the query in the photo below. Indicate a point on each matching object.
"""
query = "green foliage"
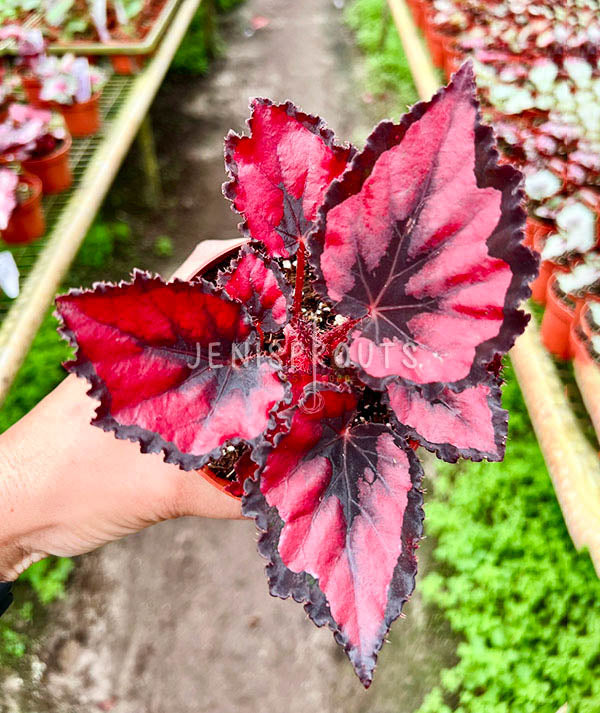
(387, 66)
(512, 586)
(202, 43)
(163, 246)
(47, 578)
(100, 242)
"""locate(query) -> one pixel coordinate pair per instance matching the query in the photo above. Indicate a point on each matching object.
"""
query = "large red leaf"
(340, 509)
(468, 424)
(261, 287)
(145, 346)
(280, 173)
(421, 238)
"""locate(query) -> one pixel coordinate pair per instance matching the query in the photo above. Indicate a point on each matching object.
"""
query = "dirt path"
(178, 619)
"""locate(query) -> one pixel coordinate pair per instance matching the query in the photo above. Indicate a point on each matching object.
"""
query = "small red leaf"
(171, 365)
(261, 287)
(469, 424)
(340, 507)
(280, 173)
(421, 239)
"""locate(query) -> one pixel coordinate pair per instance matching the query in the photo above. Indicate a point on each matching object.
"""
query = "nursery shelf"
(557, 412)
(82, 47)
(95, 161)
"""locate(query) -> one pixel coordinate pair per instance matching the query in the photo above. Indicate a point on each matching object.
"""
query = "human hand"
(67, 487)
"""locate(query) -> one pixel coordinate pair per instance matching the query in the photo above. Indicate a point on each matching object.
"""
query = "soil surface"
(178, 619)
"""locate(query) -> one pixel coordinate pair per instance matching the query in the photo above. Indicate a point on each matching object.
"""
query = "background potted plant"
(31, 47)
(21, 216)
(74, 87)
(566, 295)
(37, 139)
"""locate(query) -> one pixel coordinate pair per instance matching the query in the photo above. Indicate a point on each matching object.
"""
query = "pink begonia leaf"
(9, 181)
(260, 286)
(280, 173)
(467, 424)
(340, 509)
(145, 347)
(421, 239)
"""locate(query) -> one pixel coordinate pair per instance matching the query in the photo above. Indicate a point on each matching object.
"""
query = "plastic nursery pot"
(539, 286)
(453, 57)
(27, 222)
(435, 41)
(53, 170)
(561, 312)
(580, 334)
(82, 118)
(126, 64)
(32, 88)
(535, 231)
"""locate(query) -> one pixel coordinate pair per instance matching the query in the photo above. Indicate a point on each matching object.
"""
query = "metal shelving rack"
(555, 407)
(95, 161)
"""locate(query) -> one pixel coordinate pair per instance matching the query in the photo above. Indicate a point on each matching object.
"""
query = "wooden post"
(150, 165)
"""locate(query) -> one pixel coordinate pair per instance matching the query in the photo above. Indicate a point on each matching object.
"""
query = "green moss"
(387, 66)
(512, 586)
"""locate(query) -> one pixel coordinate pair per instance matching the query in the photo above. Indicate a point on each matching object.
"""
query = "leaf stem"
(300, 269)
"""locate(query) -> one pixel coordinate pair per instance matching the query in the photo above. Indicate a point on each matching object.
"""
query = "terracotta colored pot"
(579, 340)
(557, 321)
(453, 57)
(547, 269)
(53, 170)
(218, 483)
(125, 64)
(435, 42)
(32, 88)
(27, 222)
(581, 332)
(82, 118)
(536, 230)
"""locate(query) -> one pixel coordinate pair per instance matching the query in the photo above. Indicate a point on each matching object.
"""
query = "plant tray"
(144, 46)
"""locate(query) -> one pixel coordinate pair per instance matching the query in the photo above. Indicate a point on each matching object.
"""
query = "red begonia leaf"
(145, 347)
(467, 424)
(340, 510)
(261, 287)
(421, 238)
(280, 173)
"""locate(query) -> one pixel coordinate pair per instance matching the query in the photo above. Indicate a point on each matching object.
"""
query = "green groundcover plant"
(524, 603)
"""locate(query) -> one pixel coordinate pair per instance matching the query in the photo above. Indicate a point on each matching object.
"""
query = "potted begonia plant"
(31, 47)
(575, 235)
(21, 216)
(37, 139)
(74, 87)
(367, 315)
